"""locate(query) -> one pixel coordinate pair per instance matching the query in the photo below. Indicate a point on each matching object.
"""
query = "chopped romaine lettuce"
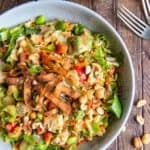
(15, 33)
(29, 139)
(4, 34)
(72, 140)
(116, 107)
(93, 128)
(79, 115)
(99, 55)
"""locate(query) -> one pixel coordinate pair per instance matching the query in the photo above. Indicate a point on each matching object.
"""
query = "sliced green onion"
(50, 47)
(40, 20)
(60, 25)
(78, 29)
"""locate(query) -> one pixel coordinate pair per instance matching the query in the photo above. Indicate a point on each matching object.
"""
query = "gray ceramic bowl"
(77, 13)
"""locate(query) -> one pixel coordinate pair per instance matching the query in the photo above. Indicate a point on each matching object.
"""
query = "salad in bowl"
(58, 85)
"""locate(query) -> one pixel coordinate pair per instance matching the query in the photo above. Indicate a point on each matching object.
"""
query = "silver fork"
(139, 27)
(146, 7)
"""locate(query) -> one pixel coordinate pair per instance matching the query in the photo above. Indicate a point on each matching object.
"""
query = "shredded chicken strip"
(15, 72)
(3, 77)
(27, 93)
(47, 57)
(61, 88)
(14, 80)
(52, 61)
(23, 68)
(46, 77)
(49, 86)
(51, 112)
(23, 57)
(65, 107)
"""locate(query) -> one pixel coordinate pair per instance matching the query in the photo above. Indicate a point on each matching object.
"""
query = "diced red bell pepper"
(81, 72)
(10, 127)
(47, 137)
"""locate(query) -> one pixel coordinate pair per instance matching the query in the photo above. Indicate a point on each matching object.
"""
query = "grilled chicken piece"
(61, 88)
(52, 61)
(46, 77)
(51, 112)
(3, 76)
(65, 107)
(23, 67)
(67, 63)
(48, 87)
(27, 93)
(15, 72)
(23, 57)
(14, 80)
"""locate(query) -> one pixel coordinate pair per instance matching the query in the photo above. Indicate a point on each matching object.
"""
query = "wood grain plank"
(7, 4)
(146, 87)
(22, 1)
(134, 46)
(105, 9)
(146, 83)
(87, 3)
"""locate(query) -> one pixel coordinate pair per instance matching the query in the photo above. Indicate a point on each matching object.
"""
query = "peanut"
(146, 138)
(140, 103)
(140, 119)
(137, 142)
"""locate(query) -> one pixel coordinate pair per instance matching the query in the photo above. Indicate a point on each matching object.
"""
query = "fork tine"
(134, 18)
(145, 8)
(128, 23)
(148, 6)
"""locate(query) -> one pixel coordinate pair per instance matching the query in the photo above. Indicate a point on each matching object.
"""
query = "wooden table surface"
(140, 52)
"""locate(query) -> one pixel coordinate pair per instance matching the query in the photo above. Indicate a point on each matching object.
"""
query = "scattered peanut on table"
(146, 138)
(140, 103)
(137, 142)
(140, 119)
